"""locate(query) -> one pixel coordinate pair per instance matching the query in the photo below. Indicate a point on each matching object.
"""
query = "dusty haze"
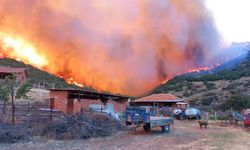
(125, 46)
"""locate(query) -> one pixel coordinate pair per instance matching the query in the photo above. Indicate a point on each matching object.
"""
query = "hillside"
(37, 76)
(220, 88)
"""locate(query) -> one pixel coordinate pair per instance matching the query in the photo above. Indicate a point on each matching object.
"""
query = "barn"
(71, 101)
(158, 100)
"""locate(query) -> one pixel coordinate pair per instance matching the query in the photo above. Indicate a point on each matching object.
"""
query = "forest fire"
(200, 69)
(20, 50)
(165, 81)
(133, 50)
(206, 68)
(72, 81)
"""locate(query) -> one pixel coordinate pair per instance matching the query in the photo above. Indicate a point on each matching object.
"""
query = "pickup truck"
(189, 113)
(141, 116)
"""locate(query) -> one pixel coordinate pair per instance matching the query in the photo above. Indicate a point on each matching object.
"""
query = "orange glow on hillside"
(205, 68)
(72, 81)
(165, 81)
(21, 50)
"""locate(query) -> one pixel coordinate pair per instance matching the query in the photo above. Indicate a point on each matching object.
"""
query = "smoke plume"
(126, 46)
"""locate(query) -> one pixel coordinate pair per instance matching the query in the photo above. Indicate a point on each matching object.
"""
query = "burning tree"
(11, 89)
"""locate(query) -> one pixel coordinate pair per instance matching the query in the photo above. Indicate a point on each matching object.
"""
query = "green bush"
(237, 102)
(225, 117)
(207, 101)
(210, 86)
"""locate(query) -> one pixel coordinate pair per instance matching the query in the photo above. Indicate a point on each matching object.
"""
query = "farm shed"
(159, 100)
(71, 101)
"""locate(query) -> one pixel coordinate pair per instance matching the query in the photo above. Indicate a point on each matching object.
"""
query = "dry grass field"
(185, 135)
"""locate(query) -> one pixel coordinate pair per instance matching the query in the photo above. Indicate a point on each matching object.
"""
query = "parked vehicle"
(189, 113)
(179, 114)
(192, 113)
(246, 120)
(141, 116)
(237, 117)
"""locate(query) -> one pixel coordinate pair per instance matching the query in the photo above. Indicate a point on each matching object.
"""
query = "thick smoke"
(126, 46)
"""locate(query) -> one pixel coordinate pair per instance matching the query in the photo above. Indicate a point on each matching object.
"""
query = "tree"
(23, 90)
(11, 89)
(4, 95)
(238, 102)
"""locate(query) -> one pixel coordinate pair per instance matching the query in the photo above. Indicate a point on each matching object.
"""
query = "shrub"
(210, 86)
(207, 101)
(237, 102)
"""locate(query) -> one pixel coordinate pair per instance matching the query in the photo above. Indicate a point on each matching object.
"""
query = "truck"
(142, 116)
(192, 113)
(184, 111)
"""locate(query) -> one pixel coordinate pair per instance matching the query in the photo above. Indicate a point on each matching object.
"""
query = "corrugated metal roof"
(82, 93)
(166, 97)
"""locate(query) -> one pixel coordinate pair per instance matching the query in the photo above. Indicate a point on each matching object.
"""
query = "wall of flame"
(123, 46)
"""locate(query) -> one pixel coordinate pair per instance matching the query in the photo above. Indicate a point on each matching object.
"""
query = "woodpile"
(79, 126)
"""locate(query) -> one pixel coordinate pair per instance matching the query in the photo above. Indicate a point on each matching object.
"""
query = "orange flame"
(130, 51)
(165, 81)
(72, 81)
(206, 68)
(20, 49)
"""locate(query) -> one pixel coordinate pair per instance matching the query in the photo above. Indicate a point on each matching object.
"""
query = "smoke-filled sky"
(126, 46)
(232, 18)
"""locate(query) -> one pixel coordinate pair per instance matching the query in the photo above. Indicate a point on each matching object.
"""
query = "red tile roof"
(11, 70)
(166, 97)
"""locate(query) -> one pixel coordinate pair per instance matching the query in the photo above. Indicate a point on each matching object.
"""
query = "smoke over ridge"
(126, 46)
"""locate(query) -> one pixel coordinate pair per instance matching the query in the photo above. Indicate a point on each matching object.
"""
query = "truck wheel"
(146, 127)
(165, 129)
(198, 117)
(181, 117)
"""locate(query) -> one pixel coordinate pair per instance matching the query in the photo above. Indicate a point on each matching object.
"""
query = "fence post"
(81, 110)
(207, 115)
(52, 106)
(28, 110)
(51, 114)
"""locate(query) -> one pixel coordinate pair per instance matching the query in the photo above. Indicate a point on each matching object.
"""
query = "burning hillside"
(114, 45)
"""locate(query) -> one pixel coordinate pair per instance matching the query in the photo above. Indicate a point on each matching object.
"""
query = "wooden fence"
(28, 111)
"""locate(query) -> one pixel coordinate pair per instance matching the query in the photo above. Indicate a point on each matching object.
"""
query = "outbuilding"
(158, 100)
(71, 101)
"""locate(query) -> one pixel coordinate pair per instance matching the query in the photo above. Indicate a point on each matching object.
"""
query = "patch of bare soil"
(185, 135)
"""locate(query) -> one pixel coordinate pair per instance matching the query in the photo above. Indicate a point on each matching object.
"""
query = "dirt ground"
(185, 135)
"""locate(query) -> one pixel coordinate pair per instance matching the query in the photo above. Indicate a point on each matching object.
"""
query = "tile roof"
(11, 70)
(166, 97)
